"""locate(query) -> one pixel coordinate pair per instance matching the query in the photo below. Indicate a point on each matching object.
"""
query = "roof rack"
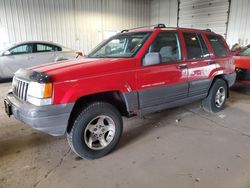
(155, 27)
(125, 30)
(208, 30)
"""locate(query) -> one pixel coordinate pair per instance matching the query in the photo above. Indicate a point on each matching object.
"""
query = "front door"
(165, 82)
(18, 57)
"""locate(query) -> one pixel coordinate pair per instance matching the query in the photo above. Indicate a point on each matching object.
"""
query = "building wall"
(239, 23)
(204, 14)
(164, 11)
(82, 24)
(78, 24)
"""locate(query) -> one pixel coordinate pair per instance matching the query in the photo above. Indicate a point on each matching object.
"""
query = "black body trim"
(160, 98)
(230, 78)
(173, 104)
(199, 87)
(30, 75)
(131, 101)
(165, 94)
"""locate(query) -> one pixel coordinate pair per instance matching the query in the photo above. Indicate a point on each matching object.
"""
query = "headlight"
(40, 94)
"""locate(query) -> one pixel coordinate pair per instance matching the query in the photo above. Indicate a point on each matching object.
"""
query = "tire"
(215, 102)
(96, 130)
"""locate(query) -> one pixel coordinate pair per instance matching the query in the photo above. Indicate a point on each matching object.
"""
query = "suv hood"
(85, 67)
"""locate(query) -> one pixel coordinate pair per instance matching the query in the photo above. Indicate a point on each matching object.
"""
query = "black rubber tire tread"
(85, 115)
(209, 102)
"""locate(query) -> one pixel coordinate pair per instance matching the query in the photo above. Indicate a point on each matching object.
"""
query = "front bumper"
(243, 74)
(51, 119)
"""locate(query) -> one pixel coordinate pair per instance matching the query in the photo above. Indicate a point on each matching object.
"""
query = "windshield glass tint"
(123, 45)
(245, 52)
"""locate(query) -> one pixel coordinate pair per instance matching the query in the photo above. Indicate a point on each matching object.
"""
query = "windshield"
(122, 45)
(7, 47)
(245, 52)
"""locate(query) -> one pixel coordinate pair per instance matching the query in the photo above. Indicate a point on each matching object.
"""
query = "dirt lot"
(179, 148)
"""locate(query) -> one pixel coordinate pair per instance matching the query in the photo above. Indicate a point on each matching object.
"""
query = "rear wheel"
(96, 130)
(217, 96)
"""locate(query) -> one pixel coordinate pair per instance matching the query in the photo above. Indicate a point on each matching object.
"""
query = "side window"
(22, 49)
(57, 48)
(167, 44)
(195, 45)
(203, 47)
(47, 48)
(218, 45)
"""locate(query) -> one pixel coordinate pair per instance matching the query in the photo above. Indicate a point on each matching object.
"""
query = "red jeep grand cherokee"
(136, 72)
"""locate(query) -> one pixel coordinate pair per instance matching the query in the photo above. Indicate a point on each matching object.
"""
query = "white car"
(32, 53)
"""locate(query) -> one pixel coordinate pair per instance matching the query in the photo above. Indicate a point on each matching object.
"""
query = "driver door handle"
(182, 66)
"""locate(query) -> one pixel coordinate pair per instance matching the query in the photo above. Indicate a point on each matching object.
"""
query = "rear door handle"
(182, 66)
(211, 62)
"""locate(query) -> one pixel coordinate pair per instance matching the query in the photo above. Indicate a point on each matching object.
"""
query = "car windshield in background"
(245, 52)
(122, 45)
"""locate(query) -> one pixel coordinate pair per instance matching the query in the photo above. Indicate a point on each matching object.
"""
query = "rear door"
(199, 63)
(222, 55)
(166, 82)
(44, 53)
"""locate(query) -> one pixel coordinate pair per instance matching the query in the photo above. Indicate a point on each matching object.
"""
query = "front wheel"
(216, 99)
(96, 130)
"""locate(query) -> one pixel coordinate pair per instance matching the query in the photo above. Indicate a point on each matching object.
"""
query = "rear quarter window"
(47, 48)
(218, 45)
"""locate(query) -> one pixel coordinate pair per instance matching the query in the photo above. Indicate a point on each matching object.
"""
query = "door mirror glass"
(152, 59)
(7, 53)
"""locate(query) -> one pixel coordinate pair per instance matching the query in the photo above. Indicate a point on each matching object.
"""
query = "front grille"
(20, 88)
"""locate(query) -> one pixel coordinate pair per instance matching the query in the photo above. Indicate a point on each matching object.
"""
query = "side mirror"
(152, 59)
(7, 52)
(79, 53)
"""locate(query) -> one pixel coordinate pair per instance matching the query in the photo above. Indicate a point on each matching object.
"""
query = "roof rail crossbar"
(155, 26)
(125, 30)
(160, 26)
(208, 30)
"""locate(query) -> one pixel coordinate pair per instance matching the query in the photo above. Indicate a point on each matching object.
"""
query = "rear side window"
(167, 44)
(195, 45)
(218, 45)
(47, 48)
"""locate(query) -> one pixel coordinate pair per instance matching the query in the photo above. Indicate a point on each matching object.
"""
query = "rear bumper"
(52, 119)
